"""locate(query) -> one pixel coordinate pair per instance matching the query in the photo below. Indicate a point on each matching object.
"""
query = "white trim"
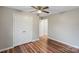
(64, 43)
(6, 49)
(25, 42)
(17, 45)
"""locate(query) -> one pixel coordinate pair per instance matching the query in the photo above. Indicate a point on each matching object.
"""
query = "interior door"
(22, 29)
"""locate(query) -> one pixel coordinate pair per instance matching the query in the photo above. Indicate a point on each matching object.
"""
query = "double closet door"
(22, 26)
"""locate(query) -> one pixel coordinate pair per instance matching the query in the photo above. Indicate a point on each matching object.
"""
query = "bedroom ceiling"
(52, 9)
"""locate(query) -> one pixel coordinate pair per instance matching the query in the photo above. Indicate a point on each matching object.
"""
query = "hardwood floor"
(43, 46)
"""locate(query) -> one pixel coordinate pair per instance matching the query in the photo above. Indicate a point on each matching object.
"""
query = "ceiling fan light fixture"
(39, 11)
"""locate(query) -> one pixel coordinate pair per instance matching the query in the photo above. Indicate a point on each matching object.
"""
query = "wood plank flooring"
(43, 46)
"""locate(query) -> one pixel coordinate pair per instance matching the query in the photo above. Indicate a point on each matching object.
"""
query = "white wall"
(35, 27)
(64, 27)
(46, 26)
(6, 28)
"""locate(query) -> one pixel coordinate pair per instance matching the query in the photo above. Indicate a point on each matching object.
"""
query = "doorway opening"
(43, 27)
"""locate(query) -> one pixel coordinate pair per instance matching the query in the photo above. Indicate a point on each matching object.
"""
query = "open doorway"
(43, 27)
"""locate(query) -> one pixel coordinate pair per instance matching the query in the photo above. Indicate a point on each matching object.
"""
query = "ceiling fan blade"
(45, 11)
(45, 7)
(34, 7)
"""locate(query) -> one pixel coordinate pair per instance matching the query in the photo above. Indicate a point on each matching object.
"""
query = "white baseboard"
(64, 43)
(6, 49)
(17, 45)
(25, 42)
(37, 40)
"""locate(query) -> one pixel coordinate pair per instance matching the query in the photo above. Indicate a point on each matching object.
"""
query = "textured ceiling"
(52, 9)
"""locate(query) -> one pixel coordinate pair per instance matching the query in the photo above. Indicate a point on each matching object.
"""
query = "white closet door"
(22, 29)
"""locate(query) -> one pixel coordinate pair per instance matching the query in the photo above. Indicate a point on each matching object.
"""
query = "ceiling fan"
(40, 9)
